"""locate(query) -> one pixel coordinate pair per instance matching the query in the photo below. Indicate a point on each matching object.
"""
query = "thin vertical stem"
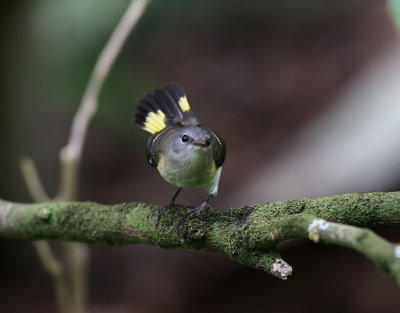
(53, 267)
(74, 299)
(77, 255)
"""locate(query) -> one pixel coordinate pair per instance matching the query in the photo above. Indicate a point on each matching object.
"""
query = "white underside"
(195, 170)
(212, 186)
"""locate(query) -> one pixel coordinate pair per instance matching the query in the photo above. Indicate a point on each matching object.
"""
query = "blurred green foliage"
(394, 9)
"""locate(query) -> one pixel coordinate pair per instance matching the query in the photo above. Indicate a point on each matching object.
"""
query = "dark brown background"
(255, 71)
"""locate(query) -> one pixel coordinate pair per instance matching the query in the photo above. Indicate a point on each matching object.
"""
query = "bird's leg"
(197, 211)
(171, 202)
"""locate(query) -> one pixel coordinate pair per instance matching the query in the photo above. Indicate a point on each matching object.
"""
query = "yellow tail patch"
(164, 107)
(184, 104)
(155, 122)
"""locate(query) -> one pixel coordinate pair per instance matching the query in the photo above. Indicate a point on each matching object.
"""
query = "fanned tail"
(164, 107)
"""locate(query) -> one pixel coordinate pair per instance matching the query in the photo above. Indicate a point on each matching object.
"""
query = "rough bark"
(249, 234)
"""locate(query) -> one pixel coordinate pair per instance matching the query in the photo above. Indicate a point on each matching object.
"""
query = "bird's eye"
(208, 142)
(185, 138)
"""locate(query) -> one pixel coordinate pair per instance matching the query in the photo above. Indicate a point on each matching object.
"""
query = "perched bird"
(185, 153)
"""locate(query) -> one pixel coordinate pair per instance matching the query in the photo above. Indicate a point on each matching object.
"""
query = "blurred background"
(305, 94)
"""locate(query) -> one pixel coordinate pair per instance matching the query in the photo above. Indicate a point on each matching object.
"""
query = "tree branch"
(384, 254)
(77, 255)
(106, 59)
(70, 154)
(249, 234)
(32, 180)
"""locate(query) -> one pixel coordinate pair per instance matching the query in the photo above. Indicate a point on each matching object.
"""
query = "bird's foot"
(161, 211)
(197, 211)
(170, 204)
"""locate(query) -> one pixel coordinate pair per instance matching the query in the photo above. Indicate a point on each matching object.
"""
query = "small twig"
(74, 300)
(70, 155)
(32, 180)
(384, 254)
(53, 267)
(77, 257)
(50, 263)
(55, 270)
(88, 106)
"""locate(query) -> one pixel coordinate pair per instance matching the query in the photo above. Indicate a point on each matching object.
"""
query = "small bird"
(185, 153)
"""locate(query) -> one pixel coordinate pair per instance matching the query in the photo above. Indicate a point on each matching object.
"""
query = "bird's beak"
(201, 142)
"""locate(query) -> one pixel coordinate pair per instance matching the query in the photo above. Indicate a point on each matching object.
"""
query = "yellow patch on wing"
(155, 138)
(184, 104)
(219, 141)
(155, 122)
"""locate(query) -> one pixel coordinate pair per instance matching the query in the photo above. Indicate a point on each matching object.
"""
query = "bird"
(185, 153)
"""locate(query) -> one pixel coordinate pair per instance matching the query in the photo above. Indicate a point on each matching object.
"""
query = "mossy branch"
(249, 234)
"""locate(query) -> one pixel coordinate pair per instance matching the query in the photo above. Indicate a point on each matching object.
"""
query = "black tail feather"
(170, 107)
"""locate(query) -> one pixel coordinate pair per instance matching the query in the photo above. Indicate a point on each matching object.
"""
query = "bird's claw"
(161, 211)
(197, 211)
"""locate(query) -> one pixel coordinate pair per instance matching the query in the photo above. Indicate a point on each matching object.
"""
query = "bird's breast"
(193, 168)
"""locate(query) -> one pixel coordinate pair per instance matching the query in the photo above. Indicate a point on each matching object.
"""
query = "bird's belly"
(186, 173)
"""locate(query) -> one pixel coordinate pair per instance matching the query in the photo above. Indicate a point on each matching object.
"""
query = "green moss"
(249, 234)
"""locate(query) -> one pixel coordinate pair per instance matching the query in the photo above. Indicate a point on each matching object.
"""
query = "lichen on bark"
(249, 234)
